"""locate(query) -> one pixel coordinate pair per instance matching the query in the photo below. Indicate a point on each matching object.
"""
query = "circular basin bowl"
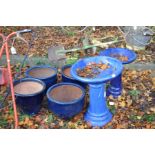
(66, 76)
(45, 73)
(65, 99)
(112, 52)
(115, 68)
(29, 93)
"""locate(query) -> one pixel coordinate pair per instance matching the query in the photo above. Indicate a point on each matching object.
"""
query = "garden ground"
(135, 108)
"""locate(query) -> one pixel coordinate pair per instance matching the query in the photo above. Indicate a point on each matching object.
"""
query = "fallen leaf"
(122, 104)
(152, 109)
(139, 117)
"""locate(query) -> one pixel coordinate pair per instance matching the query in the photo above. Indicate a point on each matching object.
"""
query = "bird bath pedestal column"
(98, 113)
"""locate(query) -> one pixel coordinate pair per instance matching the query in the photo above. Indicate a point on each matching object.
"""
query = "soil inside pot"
(41, 72)
(66, 93)
(67, 71)
(28, 87)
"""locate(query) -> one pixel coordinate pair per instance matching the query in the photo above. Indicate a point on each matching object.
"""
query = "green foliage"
(50, 118)
(146, 117)
(149, 117)
(70, 33)
(133, 117)
(1, 97)
(79, 122)
(134, 93)
(107, 85)
(72, 59)
(39, 62)
(17, 68)
(11, 112)
(22, 117)
(24, 65)
(65, 125)
(3, 122)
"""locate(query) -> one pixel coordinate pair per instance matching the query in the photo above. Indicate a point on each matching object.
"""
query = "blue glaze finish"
(30, 103)
(70, 79)
(65, 110)
(49, 81)
(106, 75)
(98, 113)
(115, 88)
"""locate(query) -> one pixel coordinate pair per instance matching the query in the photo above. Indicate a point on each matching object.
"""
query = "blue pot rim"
(96, 80)
(65, 103)
(62, 71)
(131, 59)
(30, 79)
(41, 66)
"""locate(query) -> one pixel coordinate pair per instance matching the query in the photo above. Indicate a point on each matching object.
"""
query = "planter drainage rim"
(65, 83)
(42, 66)
(126, 51)
(26, 80)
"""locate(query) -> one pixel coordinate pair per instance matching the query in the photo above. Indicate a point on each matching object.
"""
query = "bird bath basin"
(126, 56)
(98, 113)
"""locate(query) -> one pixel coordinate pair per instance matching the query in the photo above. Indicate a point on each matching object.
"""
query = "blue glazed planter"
(59, 105)
(98, 113)
(30, 103)
(45, 73)
(70, 79)
(121, 51)
(115, 88)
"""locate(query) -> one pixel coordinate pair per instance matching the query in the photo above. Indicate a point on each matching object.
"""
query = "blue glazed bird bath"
(66, 76)
(45, 73)
(115, 88)
(65, 99)
(98, 113)
(29, 93)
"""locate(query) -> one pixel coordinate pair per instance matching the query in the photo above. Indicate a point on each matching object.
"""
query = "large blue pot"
(68, 104)
(69, 79)
(43, 73)
(30, 103)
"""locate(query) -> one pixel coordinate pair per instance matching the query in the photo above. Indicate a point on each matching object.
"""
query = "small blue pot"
(67, 109)
(66, 78)
(30, 103)
(48, 80)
